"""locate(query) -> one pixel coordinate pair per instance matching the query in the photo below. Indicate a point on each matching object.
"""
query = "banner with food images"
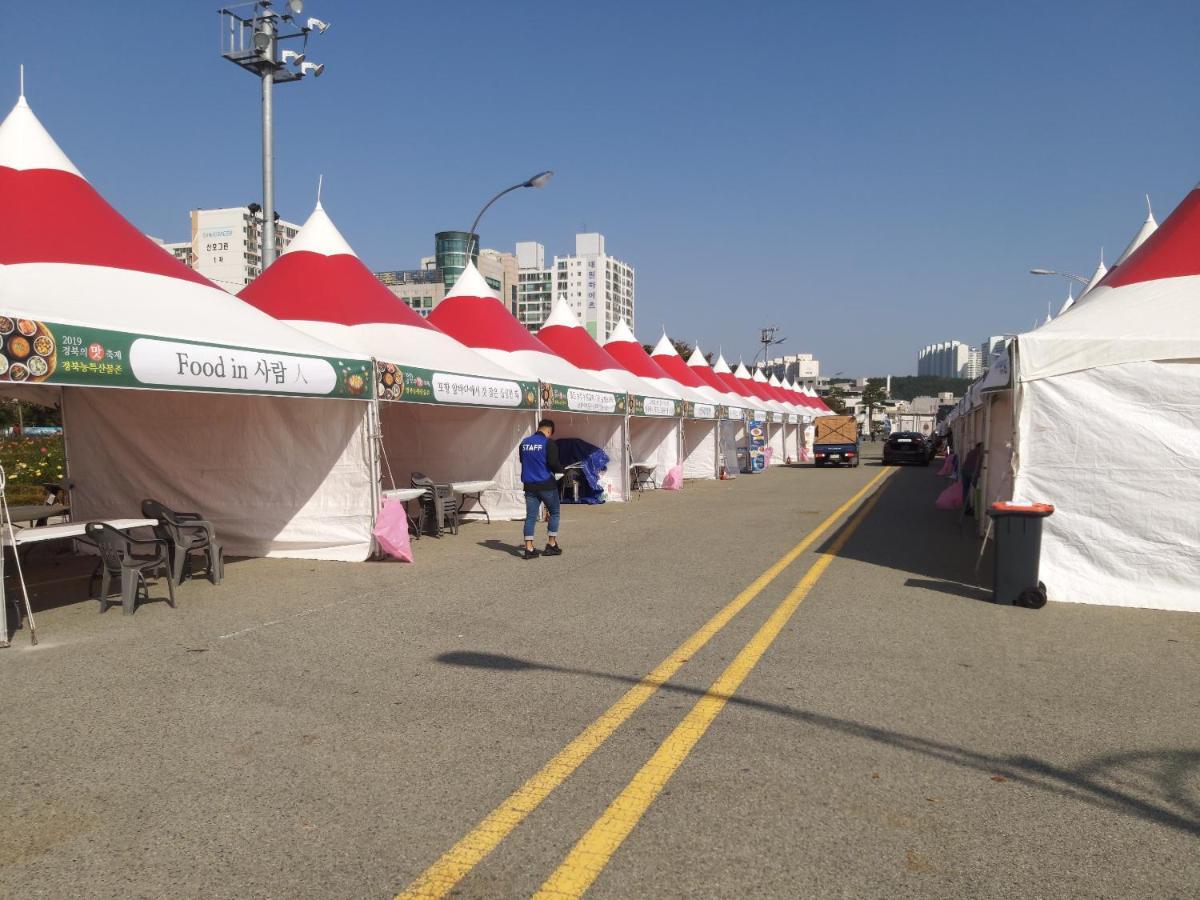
(568, 399)
(35, 352)
(408, 384)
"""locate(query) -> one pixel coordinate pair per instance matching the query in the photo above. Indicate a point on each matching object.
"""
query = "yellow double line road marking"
(591, 854)
(442, 877)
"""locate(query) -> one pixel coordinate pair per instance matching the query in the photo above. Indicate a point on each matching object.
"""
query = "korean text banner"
(35, 352)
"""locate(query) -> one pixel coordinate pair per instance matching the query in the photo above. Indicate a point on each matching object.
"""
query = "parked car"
(907, 447)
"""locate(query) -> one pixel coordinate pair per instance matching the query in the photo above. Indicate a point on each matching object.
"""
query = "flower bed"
(28, 462)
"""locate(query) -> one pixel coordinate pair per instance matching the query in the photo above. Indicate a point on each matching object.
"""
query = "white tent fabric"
(1148, 228)
(1097, 276)
(699, 362)
(622, 337)
(655, 440)
(1151, 320)
(275, 473)
(700, 459)
(563, 317)
(457, 443)
(1125, 530)
(277, 476)
(1108, 429)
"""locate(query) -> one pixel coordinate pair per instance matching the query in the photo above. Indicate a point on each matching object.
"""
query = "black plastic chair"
(186, 534)
(439, 504)
(130, 560)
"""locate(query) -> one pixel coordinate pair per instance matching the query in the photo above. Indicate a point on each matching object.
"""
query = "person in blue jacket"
(539, 465)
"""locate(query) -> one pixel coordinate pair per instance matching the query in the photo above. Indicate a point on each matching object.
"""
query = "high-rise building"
(598, 287)
(226, 244)
(535, 285)
(975, 367)
(948, 359)
(989, 348)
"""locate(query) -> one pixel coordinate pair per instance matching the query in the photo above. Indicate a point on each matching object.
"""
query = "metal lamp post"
(1069, 275)
(541, 179)
(253, 44)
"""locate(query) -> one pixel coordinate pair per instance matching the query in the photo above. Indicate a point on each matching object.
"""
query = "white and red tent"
(732, 410)
(1107, 429)
(581, 404)
(698, 451)
(655, 430)
(444, 410)
(170, 387)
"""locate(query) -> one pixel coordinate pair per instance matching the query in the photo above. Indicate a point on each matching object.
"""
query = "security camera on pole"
(253, 44)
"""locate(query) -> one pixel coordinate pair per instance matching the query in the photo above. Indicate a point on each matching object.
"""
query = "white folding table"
(27, 536)
(474, 489)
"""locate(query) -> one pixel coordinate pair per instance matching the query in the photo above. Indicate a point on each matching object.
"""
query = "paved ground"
(324, 729)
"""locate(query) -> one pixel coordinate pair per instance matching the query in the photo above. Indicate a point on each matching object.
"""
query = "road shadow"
(906, 533)
(502, 547)
(1157, 786)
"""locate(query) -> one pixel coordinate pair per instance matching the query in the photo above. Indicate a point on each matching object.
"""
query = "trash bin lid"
(1002, 508)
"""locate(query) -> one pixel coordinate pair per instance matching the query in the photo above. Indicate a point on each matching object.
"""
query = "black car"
(907, 447)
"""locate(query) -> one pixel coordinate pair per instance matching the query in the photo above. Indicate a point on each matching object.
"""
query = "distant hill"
(906, 387)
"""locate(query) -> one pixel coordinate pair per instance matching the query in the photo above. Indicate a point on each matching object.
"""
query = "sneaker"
(532, 554)
(552, 550)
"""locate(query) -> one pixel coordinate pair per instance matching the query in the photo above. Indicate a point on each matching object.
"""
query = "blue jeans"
(533, 505)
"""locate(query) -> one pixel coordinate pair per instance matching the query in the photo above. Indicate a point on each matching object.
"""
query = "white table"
(27, 536)
(474, 489)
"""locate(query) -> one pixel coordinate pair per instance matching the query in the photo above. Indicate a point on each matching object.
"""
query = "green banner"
(699, 410)
(654, 406)
(408, 384)
(736, 413)
(568, 399)
(33, 352)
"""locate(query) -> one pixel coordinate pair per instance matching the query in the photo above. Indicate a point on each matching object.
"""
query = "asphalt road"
(331, 730)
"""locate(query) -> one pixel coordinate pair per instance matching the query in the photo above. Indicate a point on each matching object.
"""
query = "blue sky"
(869, 176)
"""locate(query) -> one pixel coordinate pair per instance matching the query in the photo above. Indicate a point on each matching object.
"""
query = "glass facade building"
(450, 254)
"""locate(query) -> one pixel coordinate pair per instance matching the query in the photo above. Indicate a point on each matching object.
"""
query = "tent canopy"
(1148, 310)
(563, 333)
(626, 349)
(669, 360)
(473, 314)
(320, 286)
(111, 308)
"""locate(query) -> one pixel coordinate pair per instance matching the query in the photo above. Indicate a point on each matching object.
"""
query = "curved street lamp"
(1073, 277)
(541, 179)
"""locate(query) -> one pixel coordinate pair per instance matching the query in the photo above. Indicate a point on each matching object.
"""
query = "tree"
(836, 400)
(874, 395)
(906, 387)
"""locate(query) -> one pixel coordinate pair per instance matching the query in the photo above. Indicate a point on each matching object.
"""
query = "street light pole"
(253, 44)
(1069, 275)
(268, 147)
(541, 179)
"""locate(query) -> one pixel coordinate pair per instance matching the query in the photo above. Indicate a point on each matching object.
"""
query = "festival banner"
(699, 410)
(757, 431)
(653, 406)
(33, 352)
(409, 384)
(568, 399)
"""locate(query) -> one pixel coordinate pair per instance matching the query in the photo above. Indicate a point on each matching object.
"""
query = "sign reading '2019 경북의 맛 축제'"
(34, 352)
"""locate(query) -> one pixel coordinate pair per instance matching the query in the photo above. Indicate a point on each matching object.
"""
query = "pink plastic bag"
(947, 466)
(391, 531)
(950, 498)
(674, 479)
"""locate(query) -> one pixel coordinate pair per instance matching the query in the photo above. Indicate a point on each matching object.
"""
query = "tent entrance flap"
(277, 476)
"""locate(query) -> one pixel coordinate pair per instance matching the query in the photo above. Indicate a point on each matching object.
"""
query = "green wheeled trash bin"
(1018, 552)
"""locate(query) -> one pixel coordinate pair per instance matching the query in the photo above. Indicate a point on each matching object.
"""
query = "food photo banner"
(35, 352)
(408, 384)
